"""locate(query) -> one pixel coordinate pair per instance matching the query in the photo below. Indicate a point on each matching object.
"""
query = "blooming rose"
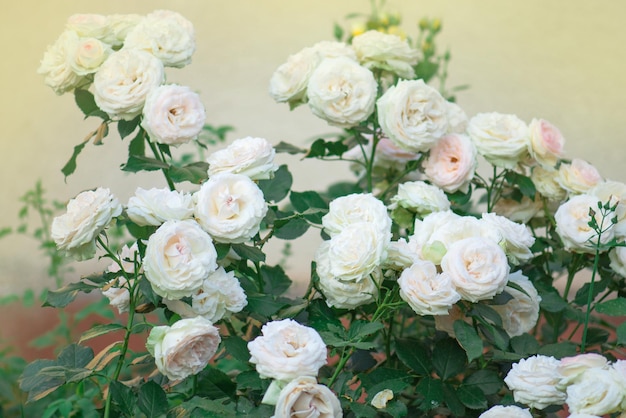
(572, 224)
(457, 118)
(173, 115)
(252, 157)
(117, 289)
(342, 92)
(230, 207)
(597, 391)
(502, 139)
(420, 197)
(570, 368)
(88, 25)
(579, 176)
(413, 115)
(353, 208)
(289, 81)
(613, 192)
(516, 238)
(511, 411)
(519, 315)
(185, 348)
(477, 267)
(387, 52)
(155, 206)
(534, 382)
(87, 215)
(55, 66)
(426, 291)
(451, 163)
(303, 397)
(88, 55)
(400, 255)
(617, 256)
(119, 25)
(124, 80)
(287, 350)
(165, 34)
(546, 143)
(546, 183)
(179, 256)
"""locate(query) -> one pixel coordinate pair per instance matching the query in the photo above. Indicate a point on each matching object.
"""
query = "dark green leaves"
(152, 400)
(615, 307)
(448, 358)
(322, 148)
(87, 104)
(414, 355)
(469, 339)
(277, 188)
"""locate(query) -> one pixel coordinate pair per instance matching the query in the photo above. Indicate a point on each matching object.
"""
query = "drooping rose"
(502, 139)
(520, 314)
(155, 206)
(451, 163)
(426, 291)
(303, 397)
(250, 156)
(534, 382)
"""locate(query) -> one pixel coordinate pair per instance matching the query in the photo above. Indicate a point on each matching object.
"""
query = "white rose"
(579, 176)
(511, 411)
(516, 238)
(451, 163)
(88, 55)
(252, 157)
(519, 211)
(353, 208)
(304, 397)
(173, 115)
(570, 368)
(617, 256)
(333, 49)
(155, 206)
(572, 224)
(165, 34)
(289, 81)
(179, 256)
(230, 207)
(584, 416)
(342, 92)
(546, 143)
(534, 382)
(420, 197)
(520, 314)
(55, 66)
(124, 80)
(287, 350)
(546, 183)
(220, 295)
(413, 115)
(400, 255)
(502, 139)
(88, 25)
(119, 25)
(457, 118)
(185, 348)
(597, 391)
(426, 291)
(615, 193)
(387, 52)
(87, 215)
(478, 268)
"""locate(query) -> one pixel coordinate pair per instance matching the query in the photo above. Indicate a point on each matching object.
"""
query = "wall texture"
(562, 61)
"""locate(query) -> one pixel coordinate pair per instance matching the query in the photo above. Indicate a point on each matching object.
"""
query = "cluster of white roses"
(587, 383)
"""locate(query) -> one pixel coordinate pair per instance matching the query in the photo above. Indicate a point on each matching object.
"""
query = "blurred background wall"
(562, 61)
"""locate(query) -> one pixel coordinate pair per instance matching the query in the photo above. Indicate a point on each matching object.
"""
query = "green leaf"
(338, 32)
(321, 316)
(432, 391)
(211, 408)
(75, 356)
(467, 336)
(265, 305)
(284, 147)
(495, 335)
(426, 70)
(237, 347)
(621, 334)
(582, 295)
(303, 201)
(486, 380)
(525, 344)
(472, 397)
(87, 104)
(597, 336)
(452, 401)
(485, 312)
(222, 250)
(36, 383)
(195, 173)
(127, 127)
(558, 350)
(448, 358)
(394, 385)
(250, 379)
(146, 290)
(137, 145)
(70, 166)
(277, 188)
(292, 229)
(361, 329)
(63, 296)
(152, 400)
(322, 148)
(552, 302)
(98, 330)
(248, 253)
(414, 355)
(525, 184)
(614, 307)
(123, 397)
(215, 384)
(362, 411)
(275, 279)
(137, 163)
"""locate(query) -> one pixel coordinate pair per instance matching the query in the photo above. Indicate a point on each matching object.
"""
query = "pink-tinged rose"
(571, 368)
(502, 139)
(572, 224)
(579, 176)
(451, 163)
(546, 143)
(303, 397)
(88, 55)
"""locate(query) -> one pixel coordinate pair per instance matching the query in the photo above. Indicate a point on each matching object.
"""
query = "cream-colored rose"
(546, 183)
(387, 52)
(179, 257)
(55, 64)
(520, 314)
(341, 92)
(516, 238)
(173, 115)
(287, 350)
(617, 256)
(546, 143)
(88, 56)
(165, 34)
(534, 382)
(572, 224)
(88, 25)
(250, 156)
(477, 267)
(289, 81)
(420, 197)
(511, 411)
(230, 207)
(354, 208)
(451, 163)
(413, 115)
(303, 397)
(400, 255)
(155, 206)
(519, 211)
(579, 176)
(119, 25)
(502, 139)
(457, 118)
(597, 391)
(88, 214)
(124, 80)
(185, 348)
(426, 291)
(333, 49)
(615, 193)
(571, 368)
